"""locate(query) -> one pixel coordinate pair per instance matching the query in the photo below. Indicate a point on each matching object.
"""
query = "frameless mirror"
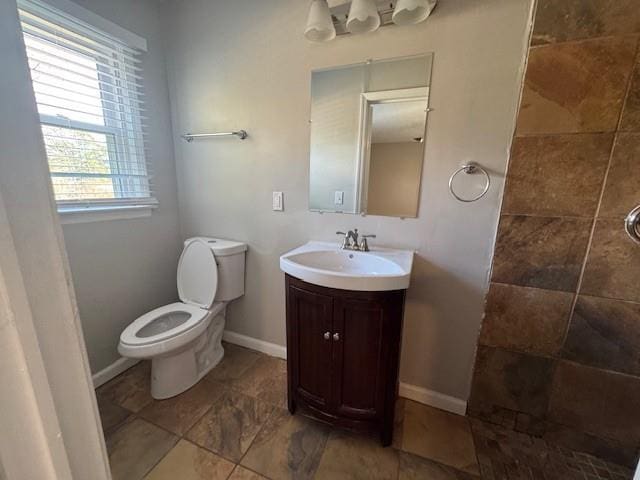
(368, 125)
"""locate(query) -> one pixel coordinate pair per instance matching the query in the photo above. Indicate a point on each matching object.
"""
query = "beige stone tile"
(574, 439)
(605, 404)
(265, 380)
(526, 319)
(236, 361)
(556, 175)
(563, 20)
(180, 413)
(231, 424)
(438, 435)
(541, 252)
(413, 467)
(187, 461)
(349, 456)
(621, 192)
(509, 380)
(606, 334)
(576, 87)
(241, 473)
(613, 264)
(130, 389)
(111, 415)
(136, 447)
(507, 455)
(288, 446)
(631, 113)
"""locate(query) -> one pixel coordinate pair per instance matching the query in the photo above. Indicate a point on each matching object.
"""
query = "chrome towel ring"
(469, 168)
(632, 224)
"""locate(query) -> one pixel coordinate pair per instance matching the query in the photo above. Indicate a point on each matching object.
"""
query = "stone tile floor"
(234, 425)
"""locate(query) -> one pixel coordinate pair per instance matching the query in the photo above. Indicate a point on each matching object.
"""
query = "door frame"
(47, 399)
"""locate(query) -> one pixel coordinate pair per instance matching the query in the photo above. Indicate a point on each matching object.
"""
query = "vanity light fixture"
(330, 18)
(410, 12)
(363, 16)
(320, 26)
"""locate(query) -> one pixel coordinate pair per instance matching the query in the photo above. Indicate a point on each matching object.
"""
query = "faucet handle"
(364, 245)
(345, 242)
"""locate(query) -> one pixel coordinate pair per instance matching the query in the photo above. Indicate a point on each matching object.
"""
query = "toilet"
(184, 339)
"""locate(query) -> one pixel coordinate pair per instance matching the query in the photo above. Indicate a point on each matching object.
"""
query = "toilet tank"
(230, 257)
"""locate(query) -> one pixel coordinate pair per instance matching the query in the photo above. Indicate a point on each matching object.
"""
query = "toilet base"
(176, 372)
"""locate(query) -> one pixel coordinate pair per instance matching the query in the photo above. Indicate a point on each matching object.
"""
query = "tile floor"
(234, 425)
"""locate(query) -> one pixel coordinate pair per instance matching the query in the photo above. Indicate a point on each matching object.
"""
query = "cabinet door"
(360, 357)
(309, 345)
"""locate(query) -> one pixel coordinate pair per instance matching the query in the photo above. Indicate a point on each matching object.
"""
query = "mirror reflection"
(368, 126)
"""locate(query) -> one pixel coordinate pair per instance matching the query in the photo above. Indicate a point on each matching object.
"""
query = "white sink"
(327, 265)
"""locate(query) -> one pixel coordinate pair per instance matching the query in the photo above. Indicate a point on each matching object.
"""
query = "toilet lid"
(197, 275)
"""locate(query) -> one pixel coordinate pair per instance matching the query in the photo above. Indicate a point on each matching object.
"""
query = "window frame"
(126, 139)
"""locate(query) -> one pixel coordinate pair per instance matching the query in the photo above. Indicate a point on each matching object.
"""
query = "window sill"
(70, 215)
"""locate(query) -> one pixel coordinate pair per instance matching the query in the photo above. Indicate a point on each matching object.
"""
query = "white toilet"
(183, 340)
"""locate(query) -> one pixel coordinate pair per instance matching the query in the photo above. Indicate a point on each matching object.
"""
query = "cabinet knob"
(336, 336)
(327, 335)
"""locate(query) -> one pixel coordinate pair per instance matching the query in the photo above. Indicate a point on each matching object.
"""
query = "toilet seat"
(131, 335)
(135, 346)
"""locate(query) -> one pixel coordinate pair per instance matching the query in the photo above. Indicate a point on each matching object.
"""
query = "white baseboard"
(433, 399)
(113, 370)
(122, 364)
(412, 392)
(272, 349)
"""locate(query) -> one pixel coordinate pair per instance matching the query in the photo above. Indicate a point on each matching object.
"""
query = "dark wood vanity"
(343, 351)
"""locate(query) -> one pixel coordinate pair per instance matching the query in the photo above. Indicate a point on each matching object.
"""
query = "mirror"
(368, 125)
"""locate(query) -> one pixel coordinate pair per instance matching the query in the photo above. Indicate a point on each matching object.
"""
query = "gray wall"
(245, 64)
(124, 268)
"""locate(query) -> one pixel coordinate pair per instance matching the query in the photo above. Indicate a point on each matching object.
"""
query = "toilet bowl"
(184, 339)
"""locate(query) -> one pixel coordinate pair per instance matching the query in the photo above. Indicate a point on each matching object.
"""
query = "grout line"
(566, 134)
(596, 216)
(551, 216)
(253, 471)
(271, 413)
(583, 40)
(159, 460)
(568, 292)
(235, 467)
(555, 358)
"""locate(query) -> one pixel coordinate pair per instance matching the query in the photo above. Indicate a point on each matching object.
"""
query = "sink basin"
(327, 265)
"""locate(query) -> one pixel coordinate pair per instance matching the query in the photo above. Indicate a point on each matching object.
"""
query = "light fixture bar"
(340, 14)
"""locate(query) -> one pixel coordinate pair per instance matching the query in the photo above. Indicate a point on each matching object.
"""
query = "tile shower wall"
(559, 350)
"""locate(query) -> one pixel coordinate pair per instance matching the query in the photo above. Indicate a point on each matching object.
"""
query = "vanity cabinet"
(343, 353)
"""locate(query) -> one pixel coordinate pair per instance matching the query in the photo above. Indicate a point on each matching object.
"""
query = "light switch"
(338, 198)
(278, 201)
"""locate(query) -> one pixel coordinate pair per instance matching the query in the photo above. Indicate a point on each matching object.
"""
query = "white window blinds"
(88, 89)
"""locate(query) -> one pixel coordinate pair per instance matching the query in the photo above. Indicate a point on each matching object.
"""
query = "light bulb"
(408, 12)
(363, 16)
(319, 23)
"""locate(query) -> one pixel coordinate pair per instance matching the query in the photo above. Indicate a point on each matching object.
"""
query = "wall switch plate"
(278, 201)
(338, 198)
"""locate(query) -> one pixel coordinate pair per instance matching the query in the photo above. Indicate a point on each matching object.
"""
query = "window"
(88, 90)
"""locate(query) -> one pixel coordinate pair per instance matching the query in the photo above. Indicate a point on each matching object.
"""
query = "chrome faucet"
(350, 241)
